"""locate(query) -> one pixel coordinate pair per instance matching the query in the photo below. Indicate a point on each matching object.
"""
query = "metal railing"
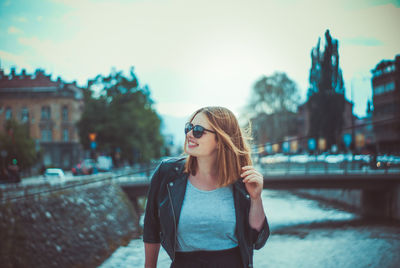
(327, 164)
(15, 191)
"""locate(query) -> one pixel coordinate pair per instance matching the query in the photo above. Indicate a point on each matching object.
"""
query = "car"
(85, 167)
(54, 173)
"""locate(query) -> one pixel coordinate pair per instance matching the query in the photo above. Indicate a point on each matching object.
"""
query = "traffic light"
(92, 136)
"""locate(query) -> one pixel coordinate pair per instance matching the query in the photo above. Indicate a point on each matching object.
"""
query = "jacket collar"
(181, 178)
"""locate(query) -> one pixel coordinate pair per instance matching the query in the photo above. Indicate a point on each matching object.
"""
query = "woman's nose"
(190, 133)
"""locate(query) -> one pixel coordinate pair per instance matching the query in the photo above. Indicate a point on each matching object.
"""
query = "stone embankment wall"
(77, 225)
(348, 199)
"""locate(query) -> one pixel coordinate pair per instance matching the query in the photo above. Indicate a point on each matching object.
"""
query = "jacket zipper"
(173, 215)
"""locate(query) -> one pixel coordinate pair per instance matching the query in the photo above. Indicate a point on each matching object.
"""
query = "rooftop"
(37, 82)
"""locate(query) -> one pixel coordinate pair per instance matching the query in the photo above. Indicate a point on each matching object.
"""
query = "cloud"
(11, 59)
(73, 3)
(362, 41)
(20, 19)
(14, 30)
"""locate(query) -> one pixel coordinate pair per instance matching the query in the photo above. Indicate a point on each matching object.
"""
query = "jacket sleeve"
(151, 228)
(261, 237)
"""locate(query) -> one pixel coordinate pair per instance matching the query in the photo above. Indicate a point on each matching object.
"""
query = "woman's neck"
(207, 173)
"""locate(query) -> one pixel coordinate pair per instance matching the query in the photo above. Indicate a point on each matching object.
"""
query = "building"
(386, 102)
(364, 134)
(51, 110)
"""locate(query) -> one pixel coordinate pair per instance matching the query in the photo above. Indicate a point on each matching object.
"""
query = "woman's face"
(206, 145)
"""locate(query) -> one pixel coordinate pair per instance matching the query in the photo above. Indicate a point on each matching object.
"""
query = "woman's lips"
(192, 144)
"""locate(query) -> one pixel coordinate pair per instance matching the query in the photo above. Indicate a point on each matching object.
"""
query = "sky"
(198, 53)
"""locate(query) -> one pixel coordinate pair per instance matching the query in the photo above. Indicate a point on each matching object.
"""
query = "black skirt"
(208, 259)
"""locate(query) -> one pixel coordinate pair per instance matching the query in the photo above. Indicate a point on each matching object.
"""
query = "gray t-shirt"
(207, 220)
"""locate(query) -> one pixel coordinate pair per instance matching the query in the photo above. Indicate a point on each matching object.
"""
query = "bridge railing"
(327, 164)
(10, 192)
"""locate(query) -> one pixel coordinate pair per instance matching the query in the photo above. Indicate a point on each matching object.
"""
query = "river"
(304, 233)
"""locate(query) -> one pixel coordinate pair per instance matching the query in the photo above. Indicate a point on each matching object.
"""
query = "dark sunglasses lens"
(198, 131)
(188, 128)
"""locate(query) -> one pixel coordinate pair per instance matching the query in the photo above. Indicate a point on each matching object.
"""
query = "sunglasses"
(198, 130)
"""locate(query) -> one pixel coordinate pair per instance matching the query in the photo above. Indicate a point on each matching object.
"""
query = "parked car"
(85, 167)
(54, 173)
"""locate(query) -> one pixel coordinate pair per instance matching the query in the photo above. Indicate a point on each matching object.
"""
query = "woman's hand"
(253, 181)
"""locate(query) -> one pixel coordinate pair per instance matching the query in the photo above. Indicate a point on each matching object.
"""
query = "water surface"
(304, 233)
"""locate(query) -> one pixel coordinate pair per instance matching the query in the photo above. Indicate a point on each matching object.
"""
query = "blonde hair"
(233, 151)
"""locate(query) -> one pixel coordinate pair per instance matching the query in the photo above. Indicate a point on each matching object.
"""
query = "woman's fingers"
(253, 178)
(249, 172)
(247, 167)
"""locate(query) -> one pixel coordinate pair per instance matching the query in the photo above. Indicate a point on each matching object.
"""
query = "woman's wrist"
(257, 199)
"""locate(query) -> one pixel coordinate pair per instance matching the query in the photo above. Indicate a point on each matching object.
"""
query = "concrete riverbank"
(367, 203)
(75, 226)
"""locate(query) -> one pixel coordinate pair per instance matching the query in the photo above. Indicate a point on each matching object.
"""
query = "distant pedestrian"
(13, 172)
(42, 169)
(206, 209)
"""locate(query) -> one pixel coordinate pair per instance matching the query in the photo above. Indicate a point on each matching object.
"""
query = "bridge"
(371, 181)
(380, 191)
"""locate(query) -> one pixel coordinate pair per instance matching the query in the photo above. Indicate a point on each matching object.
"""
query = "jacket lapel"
(242, 204)
(177, 187)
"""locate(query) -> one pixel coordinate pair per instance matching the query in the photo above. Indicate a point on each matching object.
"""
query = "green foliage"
(326, 93)
(274, 127)
(273, 104)
(18, 144)
(274, 94)
(122, 117)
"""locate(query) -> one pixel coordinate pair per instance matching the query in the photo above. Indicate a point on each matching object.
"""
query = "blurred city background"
(94, 94)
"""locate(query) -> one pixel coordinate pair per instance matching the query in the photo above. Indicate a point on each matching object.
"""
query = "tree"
(273, 104)
(274, 94)
(122, 117)
(326, 93)
(15, 140)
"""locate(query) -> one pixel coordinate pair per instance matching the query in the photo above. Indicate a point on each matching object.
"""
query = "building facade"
(386, 102)
(50, 108)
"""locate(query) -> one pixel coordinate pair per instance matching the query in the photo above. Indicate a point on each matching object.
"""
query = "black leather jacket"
(164, 203)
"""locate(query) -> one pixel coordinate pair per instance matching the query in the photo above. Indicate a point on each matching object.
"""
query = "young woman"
(206, 209)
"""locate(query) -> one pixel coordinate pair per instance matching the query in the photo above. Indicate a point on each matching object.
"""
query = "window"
(46, 113)
(47, 159)
(65, 160)
(389, 86)
(24, 115)
(8, 113)
(377, 73)
(46, 134)
(65, 134)
(65, 113)
(379, 90)
(389, 68)
(384, 88)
